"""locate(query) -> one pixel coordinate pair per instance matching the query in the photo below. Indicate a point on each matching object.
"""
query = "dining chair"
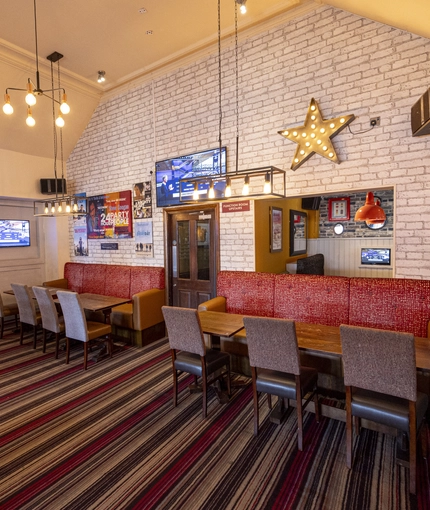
(28, 313)
(78, 328)
(275, 367)
(7, 310)
(189, 352)
(51, 320)
(381, 386)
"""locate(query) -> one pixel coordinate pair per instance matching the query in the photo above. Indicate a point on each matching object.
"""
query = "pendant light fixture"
(33, 90)
(370, 212)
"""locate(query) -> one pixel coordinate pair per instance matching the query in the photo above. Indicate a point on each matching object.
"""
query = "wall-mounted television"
(14, 233)
(199, 164)
(376, 256)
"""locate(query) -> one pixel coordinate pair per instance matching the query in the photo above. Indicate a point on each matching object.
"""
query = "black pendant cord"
(55, 132)
(37, 50)
(61, 131)
(237, 88)
(219, 85)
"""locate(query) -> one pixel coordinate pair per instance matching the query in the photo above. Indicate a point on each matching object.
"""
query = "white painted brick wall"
(347, 63)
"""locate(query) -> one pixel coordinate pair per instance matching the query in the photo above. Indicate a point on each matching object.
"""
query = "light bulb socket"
(101, 76)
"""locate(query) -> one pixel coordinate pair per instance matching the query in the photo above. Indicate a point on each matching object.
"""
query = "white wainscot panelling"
(342, 256)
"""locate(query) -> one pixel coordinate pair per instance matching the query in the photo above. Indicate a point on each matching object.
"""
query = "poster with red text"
(110, 216)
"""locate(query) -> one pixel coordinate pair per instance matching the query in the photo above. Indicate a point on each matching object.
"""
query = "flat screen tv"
(199, 164)
(14, 233)
(376, 256)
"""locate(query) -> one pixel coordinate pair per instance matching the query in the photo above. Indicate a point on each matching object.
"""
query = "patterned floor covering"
(109, 438)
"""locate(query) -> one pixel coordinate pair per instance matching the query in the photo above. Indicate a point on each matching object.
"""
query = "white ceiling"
(111, 35)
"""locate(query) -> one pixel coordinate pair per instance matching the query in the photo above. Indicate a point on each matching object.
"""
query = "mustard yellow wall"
(265, 261)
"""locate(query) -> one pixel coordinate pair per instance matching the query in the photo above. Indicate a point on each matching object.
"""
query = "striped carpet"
(109, 438)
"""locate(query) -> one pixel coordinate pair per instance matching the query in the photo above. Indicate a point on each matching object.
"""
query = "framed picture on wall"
(275, 229)
(338, 209)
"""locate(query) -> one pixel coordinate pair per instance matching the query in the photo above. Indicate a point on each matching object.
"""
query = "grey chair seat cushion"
(191, 363)
(283, 384)
(385, 409)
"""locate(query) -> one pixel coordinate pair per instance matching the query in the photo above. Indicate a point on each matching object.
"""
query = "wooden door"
(192, 246)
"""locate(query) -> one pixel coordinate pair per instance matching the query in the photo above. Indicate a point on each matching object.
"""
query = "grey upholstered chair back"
(74, 316)
(311, 265)
(47, 309)
(26, 304)
(272, 344)
(184, 329)
(379, 360)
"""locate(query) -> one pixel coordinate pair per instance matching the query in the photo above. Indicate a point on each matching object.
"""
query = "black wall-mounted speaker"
(47, 186)
(311, 203)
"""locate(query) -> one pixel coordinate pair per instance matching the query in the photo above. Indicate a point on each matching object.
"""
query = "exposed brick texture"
(347, 63)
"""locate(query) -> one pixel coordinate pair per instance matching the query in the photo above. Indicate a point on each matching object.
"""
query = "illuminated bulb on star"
(313, 126)
(324, 147)
(304, 135)
(330, 154)
(294, 133)
(322, 130)
(332, 125)
(312, 135)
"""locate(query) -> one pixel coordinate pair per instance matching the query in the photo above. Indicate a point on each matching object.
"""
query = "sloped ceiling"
(130, 40)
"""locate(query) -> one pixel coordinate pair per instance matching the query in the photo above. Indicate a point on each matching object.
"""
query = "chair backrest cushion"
(246, 292)
(184, 329)
(47, 309)
(272, 344)
(311, 265)
(74, 316)
(146, 278)
(379, 360)
(26, 304)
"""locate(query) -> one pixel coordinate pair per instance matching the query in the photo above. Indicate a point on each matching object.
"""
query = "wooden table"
(310, 337)
(98, 302)
(52, 290)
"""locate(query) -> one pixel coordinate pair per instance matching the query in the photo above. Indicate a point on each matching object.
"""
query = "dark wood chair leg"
(299, 414)
(228, 380)
(348, 428)
(16, 321)
(57, 344)
(175, 379)
(34, 336)
(205, 388)
(357, 425)
(1, 326)
(86, 354)
(412, 448)
(44, 340)
(269, 400)
(255, 397)
(21, 333)
(67, 350)
(317, 406)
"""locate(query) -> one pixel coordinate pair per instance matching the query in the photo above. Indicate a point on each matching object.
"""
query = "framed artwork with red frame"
(338, 209)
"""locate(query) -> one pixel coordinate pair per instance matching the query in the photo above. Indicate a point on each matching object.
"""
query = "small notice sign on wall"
(229, 207)
(109, 246)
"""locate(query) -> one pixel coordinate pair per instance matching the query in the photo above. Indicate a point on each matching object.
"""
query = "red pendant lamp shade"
(370, 211)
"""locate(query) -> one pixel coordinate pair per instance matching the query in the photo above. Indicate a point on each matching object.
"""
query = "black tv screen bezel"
(376, 262)
(19, 244)
(167, 163)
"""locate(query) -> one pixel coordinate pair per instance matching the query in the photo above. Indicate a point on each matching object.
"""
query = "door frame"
(168, 213)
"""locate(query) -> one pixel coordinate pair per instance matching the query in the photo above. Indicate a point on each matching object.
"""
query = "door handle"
(174, 260)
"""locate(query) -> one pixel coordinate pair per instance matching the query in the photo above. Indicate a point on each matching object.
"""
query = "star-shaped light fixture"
(315, 135)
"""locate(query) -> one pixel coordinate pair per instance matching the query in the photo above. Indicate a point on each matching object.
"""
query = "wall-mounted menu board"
(110, 216)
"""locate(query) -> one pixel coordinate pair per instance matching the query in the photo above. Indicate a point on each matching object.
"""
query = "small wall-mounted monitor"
(376, 256)
(14, 233)
(199, 164)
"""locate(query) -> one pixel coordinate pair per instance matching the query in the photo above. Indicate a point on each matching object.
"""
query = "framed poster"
(110, 216)
(142, 200)
(275, 229)
(338, 209)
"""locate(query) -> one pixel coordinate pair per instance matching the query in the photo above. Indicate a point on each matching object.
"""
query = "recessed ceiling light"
(149, 32)
(142, 10)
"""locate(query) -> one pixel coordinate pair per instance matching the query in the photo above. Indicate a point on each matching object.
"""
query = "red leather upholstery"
(246, 292)
(112, 280)
(313, 299)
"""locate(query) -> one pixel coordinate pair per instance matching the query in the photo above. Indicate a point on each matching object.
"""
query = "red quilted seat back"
(313, 299)
(94, 278)
(378, 303)
(117, 282)
(247, 293)
(145, 278)
(75, 275)
(417, 307)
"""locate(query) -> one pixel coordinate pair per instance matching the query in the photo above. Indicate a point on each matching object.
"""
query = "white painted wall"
(347, 63)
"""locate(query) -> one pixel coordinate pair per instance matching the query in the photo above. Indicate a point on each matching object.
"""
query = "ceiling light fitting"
(242, 4)
(101, 76)
(33, 90)
(261, 182)
(371, 212)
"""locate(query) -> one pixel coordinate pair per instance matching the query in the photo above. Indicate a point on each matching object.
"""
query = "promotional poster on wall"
(143, 238)
(80, 238)
(109, 216)
(142, 200)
